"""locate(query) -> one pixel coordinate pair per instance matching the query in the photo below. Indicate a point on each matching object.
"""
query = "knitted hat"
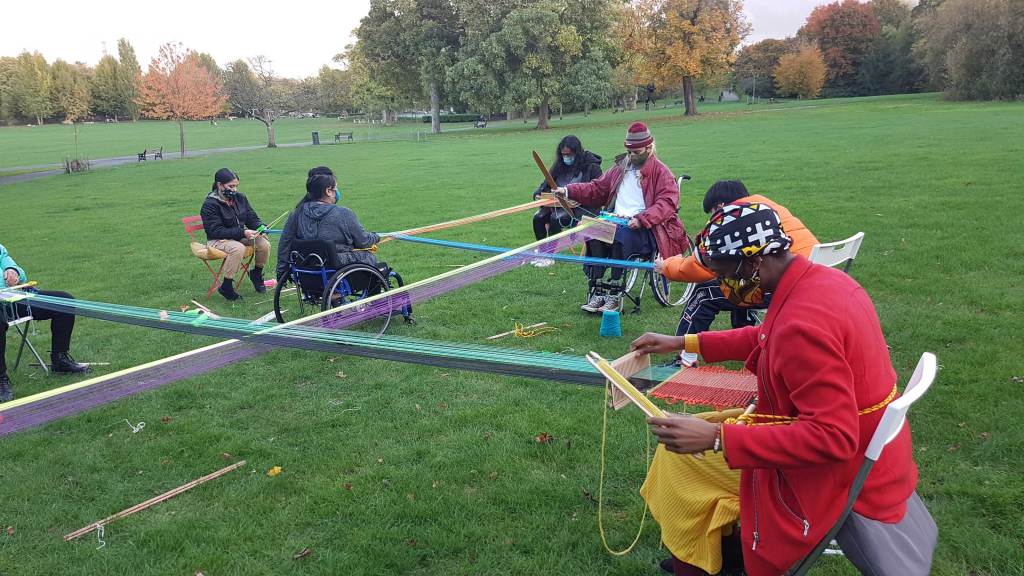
(638, 136)
(743, 230)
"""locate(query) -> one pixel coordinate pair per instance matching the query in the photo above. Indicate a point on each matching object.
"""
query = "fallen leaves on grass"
(166, 419)
(301, 554)
(411, 542)
(543, 438)
(10, 530)
(226, 457)
(953, 448)
(274, 471)
(984, 436)
(340, 375)
(347, 486)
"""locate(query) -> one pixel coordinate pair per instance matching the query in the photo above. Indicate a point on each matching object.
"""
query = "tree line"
(519, 57)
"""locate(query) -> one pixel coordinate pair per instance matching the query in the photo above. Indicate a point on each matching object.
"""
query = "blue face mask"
(568, 160)
(337, 195)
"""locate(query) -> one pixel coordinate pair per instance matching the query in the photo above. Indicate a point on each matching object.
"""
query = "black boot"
(6, 394)
(62, 362)
(256, 275)
(227, 290)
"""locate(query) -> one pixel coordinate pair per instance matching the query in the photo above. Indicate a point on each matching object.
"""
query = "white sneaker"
(596, 302)
(611, 303)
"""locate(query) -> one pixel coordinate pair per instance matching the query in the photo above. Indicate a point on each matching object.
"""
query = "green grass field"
(49, 144)
(400, 469)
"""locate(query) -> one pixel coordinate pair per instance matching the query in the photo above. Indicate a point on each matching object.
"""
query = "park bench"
(342, 136)
(157, 153)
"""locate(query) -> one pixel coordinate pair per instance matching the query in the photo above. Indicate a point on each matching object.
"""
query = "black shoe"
(227, 290)
(6, 394)
(666, 565)
(62, 362)
(256, 275)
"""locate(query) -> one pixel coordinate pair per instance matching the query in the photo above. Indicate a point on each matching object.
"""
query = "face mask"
(337, 195)
(568, 160)
(638, 160)
(744, 292)
(230, 194)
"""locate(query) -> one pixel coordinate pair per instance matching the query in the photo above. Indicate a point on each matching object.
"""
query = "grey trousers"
(880, 549)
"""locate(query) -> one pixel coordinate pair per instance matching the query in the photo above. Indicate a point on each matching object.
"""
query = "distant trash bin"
(316, 138)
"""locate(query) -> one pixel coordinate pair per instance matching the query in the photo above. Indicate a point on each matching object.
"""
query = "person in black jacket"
(572, 164)
(231, 224)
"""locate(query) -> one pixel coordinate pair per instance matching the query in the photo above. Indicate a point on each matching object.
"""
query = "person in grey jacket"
(318, 216)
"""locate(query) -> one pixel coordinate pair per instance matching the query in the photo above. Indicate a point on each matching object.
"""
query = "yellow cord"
(522, 332)
(600, 482)
(749, 419)
(370, 249)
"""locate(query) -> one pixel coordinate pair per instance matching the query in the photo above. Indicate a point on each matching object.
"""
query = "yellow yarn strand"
(749, 419)
(522, 332)
(600, 482)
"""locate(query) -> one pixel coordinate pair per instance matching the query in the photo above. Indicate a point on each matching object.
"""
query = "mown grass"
(393, 468)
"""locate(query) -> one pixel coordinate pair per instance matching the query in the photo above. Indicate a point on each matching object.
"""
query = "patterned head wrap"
(742, 230)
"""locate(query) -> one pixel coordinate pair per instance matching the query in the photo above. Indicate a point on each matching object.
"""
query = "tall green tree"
(31, 87)
(890, 66)
(8, 111)
(408, 45)
(588, 82)
(521, 53)
(755, 65)
(335, 88)
(973, 50)
(106, 88)
(128, 75)
(69, 91)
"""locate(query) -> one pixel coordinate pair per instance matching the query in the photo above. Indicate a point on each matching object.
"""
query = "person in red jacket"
(824, 377)
(642, 190)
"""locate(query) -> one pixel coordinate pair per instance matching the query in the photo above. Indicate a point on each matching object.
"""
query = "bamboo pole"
(151, 502)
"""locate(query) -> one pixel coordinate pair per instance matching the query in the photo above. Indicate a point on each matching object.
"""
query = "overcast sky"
(299, 37)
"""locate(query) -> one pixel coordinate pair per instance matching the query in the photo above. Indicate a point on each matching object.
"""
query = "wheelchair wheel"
(662, 289)
(351, 285)
(629, 275)
(405, 310)
(290, 303)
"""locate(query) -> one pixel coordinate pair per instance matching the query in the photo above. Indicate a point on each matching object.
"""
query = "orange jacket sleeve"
(686, 269)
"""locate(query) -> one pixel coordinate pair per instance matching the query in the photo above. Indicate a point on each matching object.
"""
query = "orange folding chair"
(209, 254)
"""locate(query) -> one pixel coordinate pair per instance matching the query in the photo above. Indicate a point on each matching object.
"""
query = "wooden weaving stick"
(151, 502)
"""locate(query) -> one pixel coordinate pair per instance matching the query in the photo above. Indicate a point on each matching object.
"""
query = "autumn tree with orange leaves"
(845, 31)
(801, 73)
(677, 41)
(178, 87)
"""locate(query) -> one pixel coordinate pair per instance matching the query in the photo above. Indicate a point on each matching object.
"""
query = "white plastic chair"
(835, 253)
(888, 427)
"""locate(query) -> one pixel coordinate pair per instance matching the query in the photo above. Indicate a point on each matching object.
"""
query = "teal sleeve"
(7, 262)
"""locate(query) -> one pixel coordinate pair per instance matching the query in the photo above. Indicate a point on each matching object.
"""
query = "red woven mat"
(708, 386)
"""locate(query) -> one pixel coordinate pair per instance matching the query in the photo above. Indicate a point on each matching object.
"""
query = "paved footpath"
(45, 170)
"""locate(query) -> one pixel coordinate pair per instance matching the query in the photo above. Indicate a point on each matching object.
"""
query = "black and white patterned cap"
(744, 230)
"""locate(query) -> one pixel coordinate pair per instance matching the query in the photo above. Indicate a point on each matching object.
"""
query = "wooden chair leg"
(216, 277)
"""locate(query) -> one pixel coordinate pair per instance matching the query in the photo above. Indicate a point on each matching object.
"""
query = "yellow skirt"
(696, 502)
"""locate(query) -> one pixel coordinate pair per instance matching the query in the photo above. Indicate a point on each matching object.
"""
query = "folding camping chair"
(208, 254)
(888, 427)
(835, 253)
(22, 324)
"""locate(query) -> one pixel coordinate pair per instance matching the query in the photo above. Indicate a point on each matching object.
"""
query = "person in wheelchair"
(642, 190)
(708, 300)
(319, 216)
(572, 164)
